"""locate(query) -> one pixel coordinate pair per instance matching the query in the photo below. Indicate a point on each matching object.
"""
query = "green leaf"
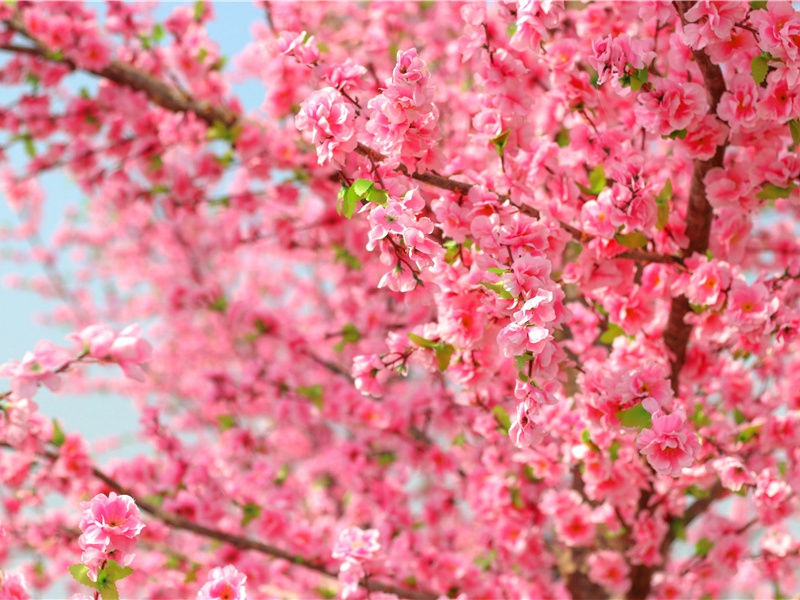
(610, 334)
(361, 187)
(199, 10)
(444, 353)
(758, 4)
(459, 440)
(313, 393)
(662, 203)
(697, 492)
(498, 289)
(562, 138)
(678, 528)
(486, 560)
(738, 416)
(346, 206)
(636, 417)
(80, 573)
(218, 131)
(421, 341)
(613, 450)
(173, 562)
(499, 142)
(326, 593)
(250, 512)
(639, 78)
(219, 305)
(700, 418)
(698, 309)
(748, 433)
(30, 148)
(108, 591)
(632, 240)
(512, 28)
(191, 575)
(597, 180)
(58, 438)
(385, 458)
(527, 472)
(498, 270)
(155, 499)
(114, 571)
(342, 255)
(703, 546)
(521, 362)
(282, 475)
(678, 134)
(759, 67)
(794, 128)
(502, 418)
(771, 192)
(516, 498)
(226, 422)
(378, 196)
(586, 438)
(350, 335)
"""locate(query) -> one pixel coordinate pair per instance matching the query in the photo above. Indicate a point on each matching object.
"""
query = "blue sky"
(20, 329)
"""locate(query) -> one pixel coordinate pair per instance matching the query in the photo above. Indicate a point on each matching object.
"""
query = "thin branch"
(243, 543)
(159, 92)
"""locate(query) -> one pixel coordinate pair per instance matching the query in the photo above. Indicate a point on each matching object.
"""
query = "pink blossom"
(92, 53)
(711, 21)
(96, 340)
(524, 432)
(669, 444)
(327, 120)
(749, 305)
(708, 282)
(12, 586)
(130, 350)
(739, 106)
(351, 573)
(356, 544)
(301, 45)
(109, 528)
(671, 107)
(732, 473)
(773, 498)
(224, 583)
(38, 367)
(609, 569)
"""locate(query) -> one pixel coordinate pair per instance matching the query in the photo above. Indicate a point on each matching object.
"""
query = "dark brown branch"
(698, 215)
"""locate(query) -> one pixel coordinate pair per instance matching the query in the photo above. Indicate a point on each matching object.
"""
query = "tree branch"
(243, 543)
(159, 92)
(698, 215)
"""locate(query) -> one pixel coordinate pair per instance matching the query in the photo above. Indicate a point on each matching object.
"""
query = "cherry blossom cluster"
(500, 298)
(110, 526)
(355, 547)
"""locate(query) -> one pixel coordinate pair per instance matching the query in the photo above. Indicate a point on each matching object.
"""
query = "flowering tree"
(486, 300)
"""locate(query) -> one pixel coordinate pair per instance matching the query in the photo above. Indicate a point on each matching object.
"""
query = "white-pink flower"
(224, 583)
(327, 120)
(356, 544)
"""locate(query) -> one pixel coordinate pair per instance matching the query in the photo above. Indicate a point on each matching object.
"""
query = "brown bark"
(698, 215)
